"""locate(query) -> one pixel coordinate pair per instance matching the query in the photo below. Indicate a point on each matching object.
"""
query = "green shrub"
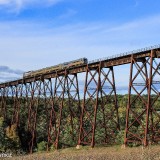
(42, 146)
(120, 137)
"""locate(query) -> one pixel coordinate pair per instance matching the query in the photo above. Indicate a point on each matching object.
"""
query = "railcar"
(27, 74)
(77, 62)
(42, 71)
(55, 68)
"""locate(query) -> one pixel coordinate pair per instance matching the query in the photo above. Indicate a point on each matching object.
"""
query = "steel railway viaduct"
(59, 90)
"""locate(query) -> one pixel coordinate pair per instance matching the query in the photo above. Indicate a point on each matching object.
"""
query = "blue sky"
(35, 34)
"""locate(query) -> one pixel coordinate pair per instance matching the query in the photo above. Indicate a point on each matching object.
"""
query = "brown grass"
(98, 153)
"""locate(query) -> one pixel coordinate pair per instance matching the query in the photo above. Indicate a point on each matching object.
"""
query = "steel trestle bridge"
(59, 91)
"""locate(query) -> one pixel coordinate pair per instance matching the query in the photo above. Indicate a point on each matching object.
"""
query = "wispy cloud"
(68, 14)
(7, 74)
(6, 69)
(32, 42)
(18, 5)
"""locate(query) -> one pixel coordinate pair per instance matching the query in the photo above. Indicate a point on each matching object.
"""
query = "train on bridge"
(65, 65)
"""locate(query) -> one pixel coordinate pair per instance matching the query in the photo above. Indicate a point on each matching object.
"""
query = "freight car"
(65, 65)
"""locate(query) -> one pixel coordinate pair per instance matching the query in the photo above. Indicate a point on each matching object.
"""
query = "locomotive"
(65, 65)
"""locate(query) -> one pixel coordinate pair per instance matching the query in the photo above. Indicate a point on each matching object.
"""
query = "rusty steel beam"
(96, 113)
(3, 103)
(140, 125)
(89, 108)
(59, 92)
(154, 108)
(109, 105)
(73, 105)
(46, 104)
(34, 91)
(65, 112)
(52, 129)
(43, 110)
(8, 103)
(146, 138)
(136, 117)
(17, 92)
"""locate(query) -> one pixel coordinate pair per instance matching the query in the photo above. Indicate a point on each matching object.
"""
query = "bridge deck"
(112, 61)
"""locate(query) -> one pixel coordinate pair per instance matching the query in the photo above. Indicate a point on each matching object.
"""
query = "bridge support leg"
(17, 98)
(66, 110)
(141, 101)
(52, 130)
(109, 106)
(73, 108)
(154, 107)
(8, 103)
(33, 97)
(59, 91)
(3, 103)
(98, 118)
(137, 113)
(89, 107)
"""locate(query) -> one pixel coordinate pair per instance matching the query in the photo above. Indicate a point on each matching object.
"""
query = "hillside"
(98, 153)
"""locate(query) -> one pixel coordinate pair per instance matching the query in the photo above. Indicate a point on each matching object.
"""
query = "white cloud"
(18, 5)
(7, 74)
(69, 13)
(4, 2)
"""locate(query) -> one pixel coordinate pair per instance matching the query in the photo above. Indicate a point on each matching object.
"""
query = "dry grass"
(98, 153)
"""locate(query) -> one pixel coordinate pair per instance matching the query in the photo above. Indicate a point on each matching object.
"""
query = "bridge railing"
(126, 53)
